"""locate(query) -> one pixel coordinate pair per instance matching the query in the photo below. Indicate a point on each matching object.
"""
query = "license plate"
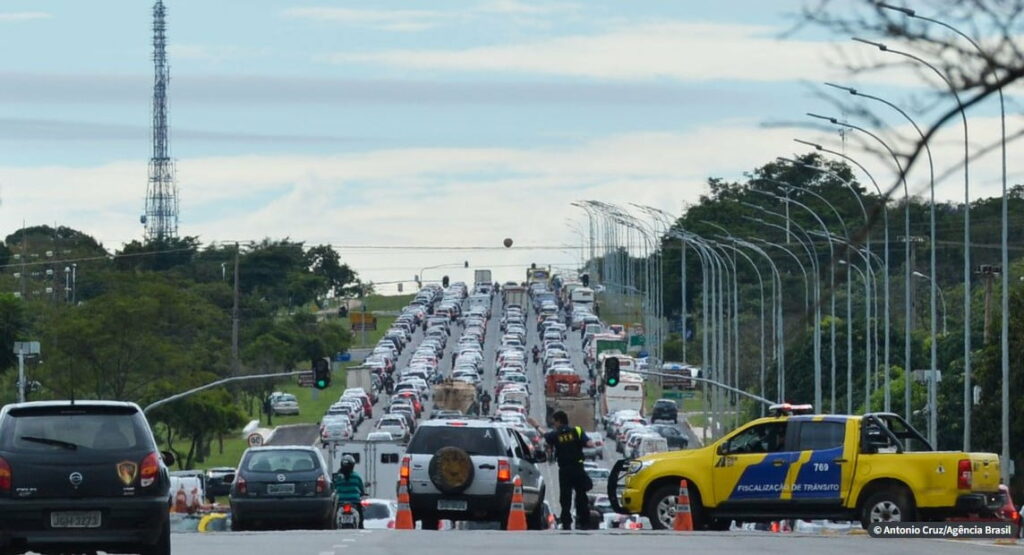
(280, 489)
(75, 519)
(347, 519)
(452, 505)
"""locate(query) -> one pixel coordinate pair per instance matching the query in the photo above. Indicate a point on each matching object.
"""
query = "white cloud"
(436, 196)
(687, 51)
(389, 20)
(519, 7)
(8, 17)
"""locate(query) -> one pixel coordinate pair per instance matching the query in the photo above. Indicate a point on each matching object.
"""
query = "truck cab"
(872, 468)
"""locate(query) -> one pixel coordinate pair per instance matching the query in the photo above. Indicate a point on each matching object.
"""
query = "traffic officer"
(568, 443)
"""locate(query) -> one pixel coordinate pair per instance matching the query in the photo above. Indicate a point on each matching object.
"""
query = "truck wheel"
(661, 507)
(888, 505)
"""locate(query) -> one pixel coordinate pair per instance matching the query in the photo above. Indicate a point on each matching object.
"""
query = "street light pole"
(967, 234)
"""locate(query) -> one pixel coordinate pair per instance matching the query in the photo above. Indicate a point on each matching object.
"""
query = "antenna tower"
(161, 217)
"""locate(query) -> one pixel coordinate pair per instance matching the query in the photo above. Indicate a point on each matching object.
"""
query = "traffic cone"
(683, 519)
(775, 527)
(517, 512)
(403, 520)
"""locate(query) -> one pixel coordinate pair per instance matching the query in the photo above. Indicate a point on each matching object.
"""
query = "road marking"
(326, 553)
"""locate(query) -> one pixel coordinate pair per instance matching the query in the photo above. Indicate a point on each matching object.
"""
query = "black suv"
(82, 475)
(666, 410)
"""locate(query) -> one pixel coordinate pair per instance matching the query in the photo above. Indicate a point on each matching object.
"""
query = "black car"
(674, 436)
(82, 476)
(283, 486)
(665, 409)
(218, 481)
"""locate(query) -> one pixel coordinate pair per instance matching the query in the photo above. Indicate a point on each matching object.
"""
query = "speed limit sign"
(255, 439)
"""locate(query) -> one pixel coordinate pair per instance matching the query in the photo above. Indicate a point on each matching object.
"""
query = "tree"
(13, 325)
(324, 262)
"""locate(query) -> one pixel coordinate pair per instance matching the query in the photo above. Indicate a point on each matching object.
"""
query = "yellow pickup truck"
(873, 468)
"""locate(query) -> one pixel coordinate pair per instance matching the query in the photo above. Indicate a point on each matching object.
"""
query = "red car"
(1008, 512)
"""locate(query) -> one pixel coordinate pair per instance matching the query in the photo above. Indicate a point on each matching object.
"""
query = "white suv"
(463, 470)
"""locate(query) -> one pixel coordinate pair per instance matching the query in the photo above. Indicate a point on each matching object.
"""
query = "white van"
(651, 444)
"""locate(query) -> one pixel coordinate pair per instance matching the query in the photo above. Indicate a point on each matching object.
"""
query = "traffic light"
(611, 371)
(444, 282)
(321, 373)
(585, 279)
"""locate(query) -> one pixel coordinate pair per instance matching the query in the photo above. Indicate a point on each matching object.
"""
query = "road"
(374, 542)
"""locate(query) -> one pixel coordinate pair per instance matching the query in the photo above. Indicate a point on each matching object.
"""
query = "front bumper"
(313, 510)
(124, 521)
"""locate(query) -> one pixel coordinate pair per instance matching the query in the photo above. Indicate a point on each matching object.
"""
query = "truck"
(455, 395)
(535, 274)
(627, 395)
(481, 277)
(583, 297)
(872, 468)
(360, 377)
(377, 462)
(581, 411)
(603, 343)
(515, 294)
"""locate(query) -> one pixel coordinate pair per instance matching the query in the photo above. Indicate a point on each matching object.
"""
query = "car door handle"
(487, 466)
(839, 461)
(778, 462)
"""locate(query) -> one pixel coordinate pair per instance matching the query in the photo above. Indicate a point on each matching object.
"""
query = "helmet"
(348, 463)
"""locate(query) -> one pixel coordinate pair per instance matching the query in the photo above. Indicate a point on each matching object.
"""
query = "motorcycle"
(348, 517)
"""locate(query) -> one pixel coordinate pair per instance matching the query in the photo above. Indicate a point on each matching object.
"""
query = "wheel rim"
(667, 510)
(886, 511)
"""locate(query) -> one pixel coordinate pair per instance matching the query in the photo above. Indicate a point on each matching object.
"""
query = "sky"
(413, 133)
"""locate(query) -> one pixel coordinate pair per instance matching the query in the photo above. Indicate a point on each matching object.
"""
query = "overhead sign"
(26, 348)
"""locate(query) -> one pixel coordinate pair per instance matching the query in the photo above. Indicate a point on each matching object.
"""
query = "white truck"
(359, 376)
(583, 297)
(377, 462)
(482, 277)
(627, 395)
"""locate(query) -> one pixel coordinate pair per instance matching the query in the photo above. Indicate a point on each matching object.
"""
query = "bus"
(628, 395)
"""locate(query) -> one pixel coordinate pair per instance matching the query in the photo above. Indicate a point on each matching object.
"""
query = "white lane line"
(326, 553)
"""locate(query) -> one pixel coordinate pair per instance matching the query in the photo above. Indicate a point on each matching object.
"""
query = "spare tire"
(451, 470)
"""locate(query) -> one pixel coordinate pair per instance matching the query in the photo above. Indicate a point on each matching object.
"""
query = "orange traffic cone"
(775, 527)
(403, 520)
(517, 512)
(684, 520)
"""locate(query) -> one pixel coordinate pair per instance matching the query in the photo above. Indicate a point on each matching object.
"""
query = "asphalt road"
(412, 542)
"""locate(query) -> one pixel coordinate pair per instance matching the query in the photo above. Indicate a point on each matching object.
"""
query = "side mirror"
(722, 448)
(168, 458)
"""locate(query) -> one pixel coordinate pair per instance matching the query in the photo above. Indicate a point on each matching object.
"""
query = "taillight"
(347, 508)
(149, 470)
(504, 471)
(403, 472)
(5, 476)
(964, 476)
(241, 486)
(321, 483)
(391, 524)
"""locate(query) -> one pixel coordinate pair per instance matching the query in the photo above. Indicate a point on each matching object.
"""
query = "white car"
(379, 436)
(394, 425)
(285, 403)
(421, 385)
(336, 428)
(379, 514)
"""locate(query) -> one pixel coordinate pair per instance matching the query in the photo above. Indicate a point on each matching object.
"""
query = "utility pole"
(234, 320)
(988, 273)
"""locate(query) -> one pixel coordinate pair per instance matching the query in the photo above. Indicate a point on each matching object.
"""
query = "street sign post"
(306, 379)
(23, 348)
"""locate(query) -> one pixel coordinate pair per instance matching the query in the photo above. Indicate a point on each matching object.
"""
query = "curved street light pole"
(967, 233)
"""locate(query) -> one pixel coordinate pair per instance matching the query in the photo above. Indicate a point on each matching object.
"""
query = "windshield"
(280, 461)
(76, 432)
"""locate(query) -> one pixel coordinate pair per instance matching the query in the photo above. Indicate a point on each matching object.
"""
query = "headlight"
(637, 466)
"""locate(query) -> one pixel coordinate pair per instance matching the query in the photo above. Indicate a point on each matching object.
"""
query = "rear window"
(70, 430)
(475, 441)
(376, 511)
(280, 461)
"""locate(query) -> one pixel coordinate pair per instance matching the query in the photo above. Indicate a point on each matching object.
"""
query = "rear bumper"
(980, 503)
(131, 521)
(478, 507)
(297, 510)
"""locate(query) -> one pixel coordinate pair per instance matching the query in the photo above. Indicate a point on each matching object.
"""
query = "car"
(284, 403)
(674, 436)
(599, 476)
(379, 514)
(665, 410)
(218, 481)
(379, 436)
(86, 476)
(396, 425)
(336, 427)
(283, 485)
(463, 470)
(597, 450)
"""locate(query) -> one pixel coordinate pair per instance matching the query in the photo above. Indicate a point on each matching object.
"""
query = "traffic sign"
(306, 379)
(255, 439)
(673, 394)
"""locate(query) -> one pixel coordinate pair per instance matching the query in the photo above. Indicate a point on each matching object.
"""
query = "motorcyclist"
(389, 384)
(348, 486)
(485, 402)
(536, 354)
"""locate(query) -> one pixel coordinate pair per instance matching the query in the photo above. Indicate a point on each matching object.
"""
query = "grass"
(619, 309)
(371, 336)
(310, 412)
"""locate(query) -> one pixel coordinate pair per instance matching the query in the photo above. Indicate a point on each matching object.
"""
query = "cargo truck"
(481, 277)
